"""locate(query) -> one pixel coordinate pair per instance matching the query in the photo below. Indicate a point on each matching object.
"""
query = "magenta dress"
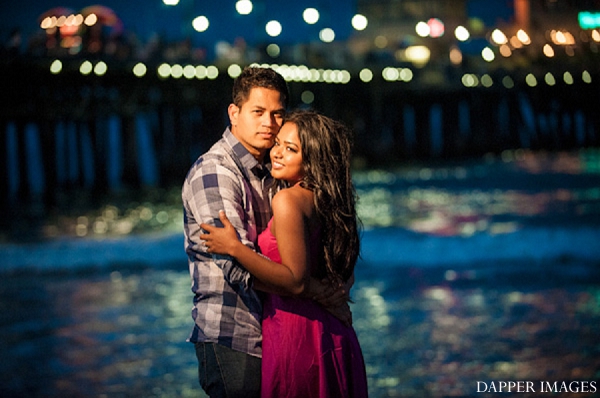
(307, 352)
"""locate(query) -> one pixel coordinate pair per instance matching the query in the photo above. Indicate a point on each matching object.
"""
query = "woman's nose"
(276, 151)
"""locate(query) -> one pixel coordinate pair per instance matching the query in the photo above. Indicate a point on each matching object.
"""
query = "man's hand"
(334, 298)
(342, 313)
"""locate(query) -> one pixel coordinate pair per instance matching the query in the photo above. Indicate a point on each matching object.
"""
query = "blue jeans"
(226, 373)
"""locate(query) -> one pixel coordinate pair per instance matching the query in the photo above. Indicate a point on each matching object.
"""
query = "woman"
(307, 352)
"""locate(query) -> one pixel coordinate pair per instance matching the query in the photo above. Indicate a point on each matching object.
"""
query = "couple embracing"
(271, 236)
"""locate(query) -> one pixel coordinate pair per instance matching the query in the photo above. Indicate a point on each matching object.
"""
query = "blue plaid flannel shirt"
(226, 309)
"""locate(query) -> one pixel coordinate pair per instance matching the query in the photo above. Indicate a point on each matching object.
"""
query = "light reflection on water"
(117, 335)
(123, 334)
(494, 195)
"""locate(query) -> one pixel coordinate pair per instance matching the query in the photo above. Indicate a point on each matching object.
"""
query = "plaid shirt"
(226, 309)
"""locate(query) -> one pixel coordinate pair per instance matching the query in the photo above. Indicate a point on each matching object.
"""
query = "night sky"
(143, 17)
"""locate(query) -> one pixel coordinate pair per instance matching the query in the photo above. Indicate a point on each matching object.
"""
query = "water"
(471, 272)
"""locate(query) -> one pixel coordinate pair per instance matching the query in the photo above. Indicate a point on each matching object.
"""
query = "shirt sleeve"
(211, 188)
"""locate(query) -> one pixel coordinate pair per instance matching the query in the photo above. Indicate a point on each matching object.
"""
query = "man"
(232, 176)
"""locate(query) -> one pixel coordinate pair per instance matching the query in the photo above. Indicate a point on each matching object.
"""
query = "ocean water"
(471, 273)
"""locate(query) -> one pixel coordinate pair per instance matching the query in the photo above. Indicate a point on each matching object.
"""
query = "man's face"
(257, 122)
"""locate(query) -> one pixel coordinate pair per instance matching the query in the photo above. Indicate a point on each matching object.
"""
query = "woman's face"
(286, 155)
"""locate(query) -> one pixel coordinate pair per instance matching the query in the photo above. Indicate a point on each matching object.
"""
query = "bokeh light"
(200, 23)
(140, 69)
(311, 16)
(359, 22)
(327, 35)
(461, 33)
(273, 28)
(243, 7)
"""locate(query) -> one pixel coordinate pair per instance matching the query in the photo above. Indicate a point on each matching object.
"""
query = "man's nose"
(269, 119)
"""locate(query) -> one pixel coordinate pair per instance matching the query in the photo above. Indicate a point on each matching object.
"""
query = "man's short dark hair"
(257, 76)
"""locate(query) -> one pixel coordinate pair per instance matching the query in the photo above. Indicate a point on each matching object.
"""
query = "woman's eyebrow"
(291, 143)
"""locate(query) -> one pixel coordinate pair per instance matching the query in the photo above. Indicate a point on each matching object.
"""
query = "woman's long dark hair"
(326, 156)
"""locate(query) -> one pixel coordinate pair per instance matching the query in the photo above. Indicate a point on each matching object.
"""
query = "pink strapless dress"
(307, 352)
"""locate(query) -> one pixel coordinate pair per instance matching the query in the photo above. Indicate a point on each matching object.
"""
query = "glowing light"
(487, 81)
(273, 28)
(164, 70)
(418, 55)
(596, 35)
(200, 23)
(456, 56)
(234, 71)
(365, 75)
(344, 76)
(470, 80)
(523, 37)
(568, 78)
(499, 37)
(461, 33)
(176, 71)
(562, 38)
(189, 71)
(327, 35)
(549, 79)
(212, 72)
(548, 51)
(328, 76)
(381, 42)
(201, 72)
(171, 2)
(86, 68)
(515, 42)
(100, 68)
(586, 77)
(406, 74)
(487, 54)
(244, 7)
(589, 20)
(436, 27)
(505, 50)
(311, 16)
(273, 50)
(140, 69)
(390, 74)
(508, 82)
(422, 29)
(531, 80)
(359, 22)
(307, 97)
(90, 20)
(56, 67)
(46, 23)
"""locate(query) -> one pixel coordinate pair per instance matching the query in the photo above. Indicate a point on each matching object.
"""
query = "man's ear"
(233, 112)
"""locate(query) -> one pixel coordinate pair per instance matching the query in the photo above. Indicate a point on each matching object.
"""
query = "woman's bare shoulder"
(294, 198)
